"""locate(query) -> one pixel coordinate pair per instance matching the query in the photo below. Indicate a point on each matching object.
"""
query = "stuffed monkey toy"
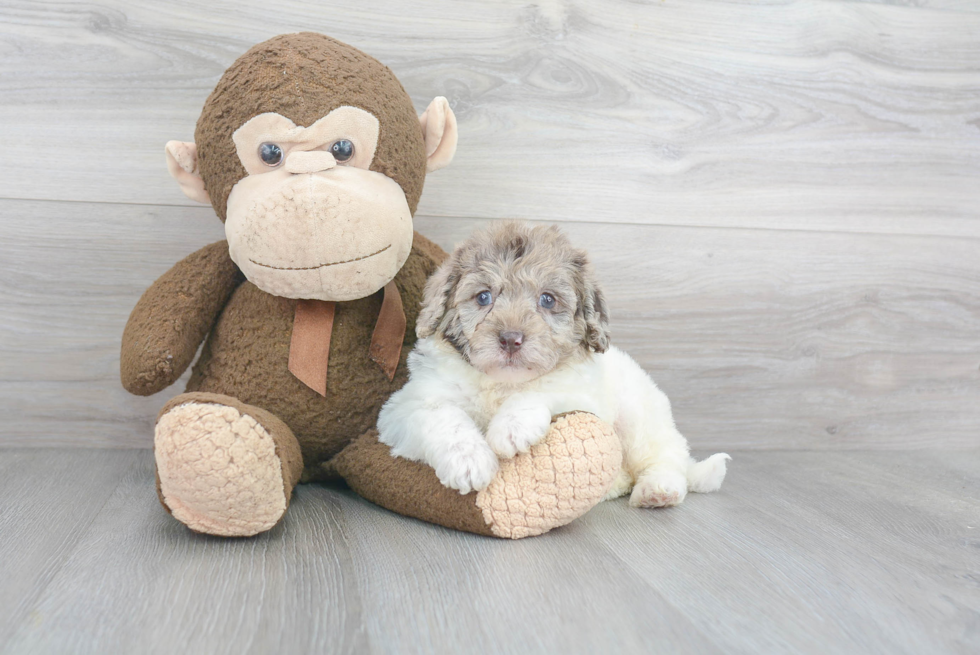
(312, 155)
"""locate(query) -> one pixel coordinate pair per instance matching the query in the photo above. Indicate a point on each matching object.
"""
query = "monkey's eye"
(271, 154)
(484, 298)
(342, 150)
(547, 301)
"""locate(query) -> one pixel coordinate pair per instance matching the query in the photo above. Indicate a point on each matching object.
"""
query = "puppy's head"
(516, 301)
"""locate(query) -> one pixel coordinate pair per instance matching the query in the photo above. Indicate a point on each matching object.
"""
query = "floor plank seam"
(462, 217)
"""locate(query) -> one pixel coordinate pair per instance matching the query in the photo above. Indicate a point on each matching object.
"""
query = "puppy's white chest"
(488, 402)
(569, 389)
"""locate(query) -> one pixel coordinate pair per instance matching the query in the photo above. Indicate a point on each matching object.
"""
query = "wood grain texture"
(827, 538)
(801, 552)
(815, 115)
(781, 199)
(47, 502)
(761, 338)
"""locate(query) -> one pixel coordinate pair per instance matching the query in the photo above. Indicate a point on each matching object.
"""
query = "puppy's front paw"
(467, 466)
(514, 430)
(659, 489)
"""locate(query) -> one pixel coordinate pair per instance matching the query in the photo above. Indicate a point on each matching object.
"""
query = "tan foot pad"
(218, 469)
(560, 479)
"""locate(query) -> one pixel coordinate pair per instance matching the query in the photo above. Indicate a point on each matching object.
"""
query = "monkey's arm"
(173, 316)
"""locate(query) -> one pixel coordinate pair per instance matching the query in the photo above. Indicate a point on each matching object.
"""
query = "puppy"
(514, 330)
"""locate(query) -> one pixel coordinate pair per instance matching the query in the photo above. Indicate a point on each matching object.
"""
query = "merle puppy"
(514, 330)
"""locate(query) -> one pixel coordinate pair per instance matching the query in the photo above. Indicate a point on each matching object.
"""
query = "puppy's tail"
(707, 475)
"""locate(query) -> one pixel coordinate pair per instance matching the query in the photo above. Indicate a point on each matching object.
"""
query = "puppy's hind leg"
(659, 461)
(656, 454)
(621, 485)
(664, 487)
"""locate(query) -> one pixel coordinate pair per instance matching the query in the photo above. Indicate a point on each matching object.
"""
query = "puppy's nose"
(511, 341)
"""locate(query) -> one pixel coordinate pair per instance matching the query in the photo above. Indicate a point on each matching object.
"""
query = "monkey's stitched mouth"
(310, 268)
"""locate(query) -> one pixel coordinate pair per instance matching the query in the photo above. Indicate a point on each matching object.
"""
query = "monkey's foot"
(558, 480)
(219, 469)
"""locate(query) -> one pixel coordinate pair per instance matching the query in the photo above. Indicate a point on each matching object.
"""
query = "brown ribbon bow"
(309, 348)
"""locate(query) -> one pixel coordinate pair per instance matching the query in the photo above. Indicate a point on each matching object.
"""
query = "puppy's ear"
(593, 308)
(435, 299)
(597, 322)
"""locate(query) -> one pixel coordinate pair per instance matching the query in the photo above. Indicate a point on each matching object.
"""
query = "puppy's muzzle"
(511, 341)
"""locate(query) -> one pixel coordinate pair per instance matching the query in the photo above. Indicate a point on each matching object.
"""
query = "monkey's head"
(311, 153)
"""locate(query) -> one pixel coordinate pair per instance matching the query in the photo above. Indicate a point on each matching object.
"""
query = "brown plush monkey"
(312, 155)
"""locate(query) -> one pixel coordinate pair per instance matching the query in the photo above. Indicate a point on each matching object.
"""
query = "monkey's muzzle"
(338, 234)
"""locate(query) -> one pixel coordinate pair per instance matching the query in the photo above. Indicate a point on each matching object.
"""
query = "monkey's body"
(246, 353)
(311, 153)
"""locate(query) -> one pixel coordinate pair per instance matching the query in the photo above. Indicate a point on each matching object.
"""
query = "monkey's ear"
(439, 129)
(182, 164)
(435, 299)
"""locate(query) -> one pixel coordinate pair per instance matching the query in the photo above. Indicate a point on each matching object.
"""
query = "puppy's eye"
(547, 301)
(271, 154)
(342, 150)
(484, 298)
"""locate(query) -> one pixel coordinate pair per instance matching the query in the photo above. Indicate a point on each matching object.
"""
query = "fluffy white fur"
(514, 330)
(459, 420)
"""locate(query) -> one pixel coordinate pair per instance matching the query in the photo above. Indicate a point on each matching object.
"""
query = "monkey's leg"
(557, 481)
(223, 467)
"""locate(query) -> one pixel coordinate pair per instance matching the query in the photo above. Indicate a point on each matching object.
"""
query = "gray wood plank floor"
(805, 552)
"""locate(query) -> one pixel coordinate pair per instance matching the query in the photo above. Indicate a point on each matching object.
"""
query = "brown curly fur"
(247, 349)
(303, 77)
(247, 352)
(244, 361)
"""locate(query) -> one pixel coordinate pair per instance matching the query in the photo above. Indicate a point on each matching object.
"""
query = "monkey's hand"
(172, 318)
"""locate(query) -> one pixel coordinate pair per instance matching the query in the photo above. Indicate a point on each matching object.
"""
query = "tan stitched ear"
(182, 164)
(439, 129)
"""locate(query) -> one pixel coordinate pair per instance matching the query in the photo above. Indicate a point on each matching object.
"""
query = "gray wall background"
(782, 198)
